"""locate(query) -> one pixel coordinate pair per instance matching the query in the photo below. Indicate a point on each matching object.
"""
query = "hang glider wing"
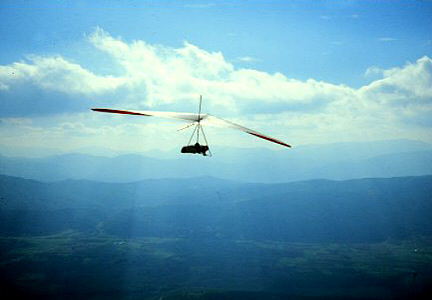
(218, 122)
(204, 119)
(189, 117)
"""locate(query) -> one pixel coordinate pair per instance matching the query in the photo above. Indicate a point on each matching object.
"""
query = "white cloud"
(167, 75)
(15, 121)
(154, 75)
(374, 71)
(246, 59)
(293, 110)
(57, 74)
(387, 39)
(409, 84)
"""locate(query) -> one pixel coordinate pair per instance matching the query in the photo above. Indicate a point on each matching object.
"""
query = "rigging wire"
(199, 128)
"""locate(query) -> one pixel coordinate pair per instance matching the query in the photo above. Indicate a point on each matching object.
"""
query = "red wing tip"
(101, 109)
(118, 111)
(269, 139)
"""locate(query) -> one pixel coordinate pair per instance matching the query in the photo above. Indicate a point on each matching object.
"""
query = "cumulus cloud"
(166, 78)
(57, 74)
(155, 75)
(409, 84)
(169, 75)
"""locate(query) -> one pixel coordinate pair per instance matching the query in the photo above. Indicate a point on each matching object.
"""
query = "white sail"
(204, 119)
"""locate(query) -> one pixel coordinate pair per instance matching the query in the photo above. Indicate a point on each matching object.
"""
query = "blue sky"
(324, 40)
(314, 72)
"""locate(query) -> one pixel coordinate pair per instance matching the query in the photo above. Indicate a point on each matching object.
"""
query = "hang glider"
(197, 120)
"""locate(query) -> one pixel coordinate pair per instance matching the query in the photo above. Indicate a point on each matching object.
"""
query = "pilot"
(201, 149)
(195, 149)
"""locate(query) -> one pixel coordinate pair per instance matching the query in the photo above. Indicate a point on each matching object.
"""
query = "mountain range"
(332, 161)
(365, 210)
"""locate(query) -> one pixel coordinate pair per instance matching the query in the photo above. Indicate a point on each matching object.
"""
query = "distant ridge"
(335, 161)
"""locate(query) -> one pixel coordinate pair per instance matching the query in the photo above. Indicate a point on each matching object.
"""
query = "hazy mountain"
(311, 211)
(334, 161)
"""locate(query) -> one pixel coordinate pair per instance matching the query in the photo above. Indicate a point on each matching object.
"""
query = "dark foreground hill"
(367, 210)
(207, 238)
